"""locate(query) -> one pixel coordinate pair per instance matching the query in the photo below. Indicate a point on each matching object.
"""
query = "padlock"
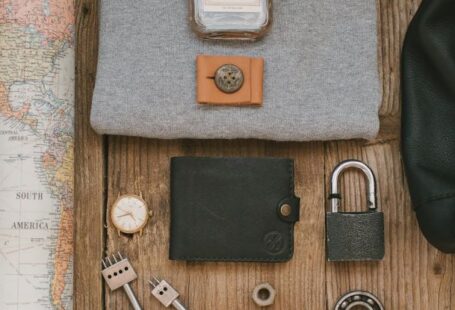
(354, 236)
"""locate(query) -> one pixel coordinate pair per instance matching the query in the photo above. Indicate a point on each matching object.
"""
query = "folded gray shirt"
(321, 73)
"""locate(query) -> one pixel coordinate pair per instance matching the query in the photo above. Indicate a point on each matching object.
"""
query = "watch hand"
(128, 213)
(135, 220)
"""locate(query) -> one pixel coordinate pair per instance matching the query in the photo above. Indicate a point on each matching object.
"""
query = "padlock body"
(355, 236)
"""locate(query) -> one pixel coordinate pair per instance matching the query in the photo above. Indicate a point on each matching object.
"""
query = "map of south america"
(36, 153)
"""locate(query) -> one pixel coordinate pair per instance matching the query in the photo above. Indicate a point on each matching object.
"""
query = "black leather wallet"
(232, 209)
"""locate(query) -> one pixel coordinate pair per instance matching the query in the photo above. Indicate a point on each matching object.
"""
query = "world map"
(36, 153)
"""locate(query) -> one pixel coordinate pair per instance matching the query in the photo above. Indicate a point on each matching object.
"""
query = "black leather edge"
(436, 220)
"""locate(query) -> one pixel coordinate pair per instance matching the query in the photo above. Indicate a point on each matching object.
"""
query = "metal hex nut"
(264, 294)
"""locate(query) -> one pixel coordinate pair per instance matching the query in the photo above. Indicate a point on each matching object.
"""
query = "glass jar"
(230, 19)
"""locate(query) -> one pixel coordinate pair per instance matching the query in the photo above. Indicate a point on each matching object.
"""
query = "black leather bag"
(428, 119)
(232, 209)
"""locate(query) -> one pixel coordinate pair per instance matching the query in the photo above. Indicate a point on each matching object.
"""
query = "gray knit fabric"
(321, 73)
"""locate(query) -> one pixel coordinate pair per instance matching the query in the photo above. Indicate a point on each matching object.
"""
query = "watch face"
(129, 213)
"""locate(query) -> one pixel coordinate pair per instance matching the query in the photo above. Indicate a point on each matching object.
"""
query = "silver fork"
(119, 274)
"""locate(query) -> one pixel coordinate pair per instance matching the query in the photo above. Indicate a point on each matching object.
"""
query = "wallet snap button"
(229, 78)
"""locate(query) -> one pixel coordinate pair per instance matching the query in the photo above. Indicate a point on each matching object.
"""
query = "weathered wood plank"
(143, 165)
(393, 19)
(89, 168)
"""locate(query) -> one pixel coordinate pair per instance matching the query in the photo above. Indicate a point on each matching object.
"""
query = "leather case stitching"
(237, 259)
(291, 192)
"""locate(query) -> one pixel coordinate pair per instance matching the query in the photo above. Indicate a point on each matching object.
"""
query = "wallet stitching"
(291, 192)
(250, 259)
(262, 259)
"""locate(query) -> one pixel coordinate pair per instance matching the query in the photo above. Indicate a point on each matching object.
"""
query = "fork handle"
(133, 300)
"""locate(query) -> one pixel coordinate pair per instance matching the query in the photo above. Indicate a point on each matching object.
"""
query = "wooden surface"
(413, 275)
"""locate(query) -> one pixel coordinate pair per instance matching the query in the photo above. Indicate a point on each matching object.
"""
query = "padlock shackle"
(335, 195)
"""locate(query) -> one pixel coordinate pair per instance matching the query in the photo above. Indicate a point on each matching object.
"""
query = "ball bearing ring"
(359, 299)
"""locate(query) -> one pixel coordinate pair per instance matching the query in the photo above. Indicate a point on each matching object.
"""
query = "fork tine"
(156, 280)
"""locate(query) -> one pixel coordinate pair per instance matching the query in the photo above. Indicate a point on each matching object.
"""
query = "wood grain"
(139, 165)
(413, 275)
(89, 168)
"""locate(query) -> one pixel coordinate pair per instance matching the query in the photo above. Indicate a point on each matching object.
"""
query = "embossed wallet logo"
(274, 242)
